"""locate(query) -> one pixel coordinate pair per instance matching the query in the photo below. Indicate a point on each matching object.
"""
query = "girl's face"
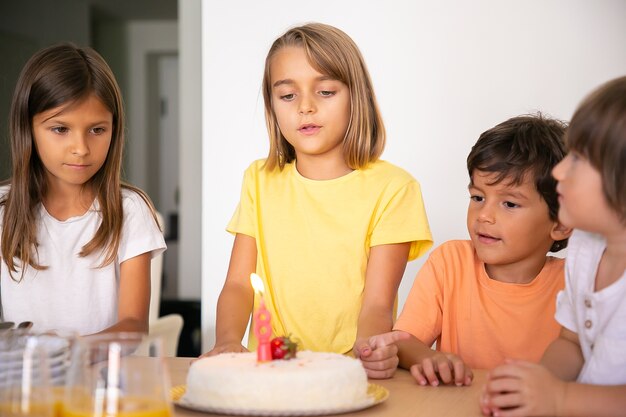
(582, 202)
(312, 109)
(72, 141)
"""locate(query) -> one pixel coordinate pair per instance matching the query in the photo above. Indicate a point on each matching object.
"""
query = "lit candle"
(262, 326)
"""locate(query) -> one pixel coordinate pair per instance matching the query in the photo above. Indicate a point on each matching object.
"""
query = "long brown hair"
(55, 76)
(332, 52)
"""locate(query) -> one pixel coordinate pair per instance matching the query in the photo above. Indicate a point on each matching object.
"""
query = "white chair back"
(168, 328)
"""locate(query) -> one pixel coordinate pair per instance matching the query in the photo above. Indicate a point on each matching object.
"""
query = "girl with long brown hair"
(75, 242)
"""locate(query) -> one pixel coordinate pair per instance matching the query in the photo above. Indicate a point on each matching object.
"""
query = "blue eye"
(326, 93)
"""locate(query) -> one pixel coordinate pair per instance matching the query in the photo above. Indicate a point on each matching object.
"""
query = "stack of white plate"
(18, 353)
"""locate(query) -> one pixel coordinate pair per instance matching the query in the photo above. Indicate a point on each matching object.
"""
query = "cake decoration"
(283, 348)
(262, 321)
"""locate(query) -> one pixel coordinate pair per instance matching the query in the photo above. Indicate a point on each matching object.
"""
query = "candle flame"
(257, 283)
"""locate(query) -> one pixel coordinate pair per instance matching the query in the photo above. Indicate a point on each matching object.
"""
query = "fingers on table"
(441, 369)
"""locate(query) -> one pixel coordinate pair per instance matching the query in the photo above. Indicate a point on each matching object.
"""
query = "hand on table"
(520, 388)
(379, 354)
(224, 348)
(442, 367)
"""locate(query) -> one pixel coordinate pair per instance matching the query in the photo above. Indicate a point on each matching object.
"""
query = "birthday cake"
(310, 381)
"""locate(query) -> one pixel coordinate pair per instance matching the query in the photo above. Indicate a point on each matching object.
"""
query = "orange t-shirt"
(454, 302)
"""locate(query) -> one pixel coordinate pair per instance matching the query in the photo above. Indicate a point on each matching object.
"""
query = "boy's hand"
(442, 367)
(224, 348)
(379, 354)
(520, 388)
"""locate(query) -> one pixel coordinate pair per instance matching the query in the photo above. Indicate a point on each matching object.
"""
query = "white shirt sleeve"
(140, 232)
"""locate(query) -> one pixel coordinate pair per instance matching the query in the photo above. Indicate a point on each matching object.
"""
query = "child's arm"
(521, 388)
(430, 367)
(597, 400)
(385, 268)
(134, 295)
(236, 299)
(563, 357)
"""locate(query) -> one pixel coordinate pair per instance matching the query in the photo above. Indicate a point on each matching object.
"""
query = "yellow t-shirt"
(313, 240)
(484, 321)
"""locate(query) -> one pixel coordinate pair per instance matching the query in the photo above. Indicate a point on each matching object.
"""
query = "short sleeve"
(577, 264)
(565, 311)
(140, 232)
(243, 220)
(422, 315)
(403, 219)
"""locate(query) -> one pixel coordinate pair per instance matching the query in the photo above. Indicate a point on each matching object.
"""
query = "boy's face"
(582, 203)
(509, 226)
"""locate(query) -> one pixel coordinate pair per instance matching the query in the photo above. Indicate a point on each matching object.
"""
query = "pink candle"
(262, 322)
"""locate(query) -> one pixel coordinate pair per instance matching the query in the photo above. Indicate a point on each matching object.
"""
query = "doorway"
(163, 151)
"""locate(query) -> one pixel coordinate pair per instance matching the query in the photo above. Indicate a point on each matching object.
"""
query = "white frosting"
(311, 381)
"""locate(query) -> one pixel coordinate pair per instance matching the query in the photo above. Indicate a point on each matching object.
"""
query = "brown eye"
(60, 130)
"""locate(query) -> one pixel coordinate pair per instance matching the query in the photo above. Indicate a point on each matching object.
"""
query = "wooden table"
(406, 398)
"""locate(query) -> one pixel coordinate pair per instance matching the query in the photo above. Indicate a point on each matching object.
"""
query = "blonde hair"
(55, 76)
(333, 53)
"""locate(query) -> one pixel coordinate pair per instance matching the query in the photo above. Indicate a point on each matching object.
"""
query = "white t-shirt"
(599, 317)
(73, 294)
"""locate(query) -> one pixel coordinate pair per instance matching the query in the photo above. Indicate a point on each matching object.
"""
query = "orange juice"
(164, 412)
(30, 410)
(57, 396)
(128, 407)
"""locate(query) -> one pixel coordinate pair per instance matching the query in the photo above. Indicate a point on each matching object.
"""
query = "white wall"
(190, 146)
(444, 71)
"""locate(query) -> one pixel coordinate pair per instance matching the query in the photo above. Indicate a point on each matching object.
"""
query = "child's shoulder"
(583, 239)
(386, 167)
(258, 169)
(256, 165)
(132, 194)
(456, 251)
(134, 199)
(388, 173)
(4, 190)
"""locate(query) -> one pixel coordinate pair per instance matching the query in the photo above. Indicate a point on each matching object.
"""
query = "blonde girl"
(583, 372)
(75, 242)
(326, 224)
